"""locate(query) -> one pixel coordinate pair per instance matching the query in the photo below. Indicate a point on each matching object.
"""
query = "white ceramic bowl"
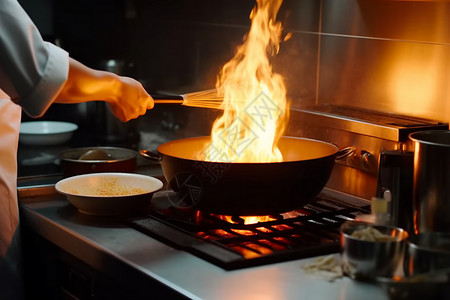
(44, 133)
(107, 194)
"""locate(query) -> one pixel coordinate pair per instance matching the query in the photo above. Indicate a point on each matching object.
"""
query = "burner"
(234, 242)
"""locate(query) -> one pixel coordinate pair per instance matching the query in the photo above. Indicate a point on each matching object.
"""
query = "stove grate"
(310, 231)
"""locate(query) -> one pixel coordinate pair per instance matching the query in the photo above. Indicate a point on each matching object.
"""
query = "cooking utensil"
(431, 180)
(365, 259)
(245, 188)
(84, 160)
(427, 252)
(46, 133)
(107, 194)
(204, 99)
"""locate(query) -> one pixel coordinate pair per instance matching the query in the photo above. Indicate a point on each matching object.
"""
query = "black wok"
(245, 188)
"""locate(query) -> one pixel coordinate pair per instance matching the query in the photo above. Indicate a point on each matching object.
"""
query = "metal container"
(395, 177)
(117, 160)
(427, 252)
(431, 180)
(368, 259)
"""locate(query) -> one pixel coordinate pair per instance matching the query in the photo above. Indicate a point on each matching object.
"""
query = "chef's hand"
(126, 96)
(131, 100)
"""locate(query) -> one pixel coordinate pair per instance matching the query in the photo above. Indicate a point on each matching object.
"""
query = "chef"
(33, 75)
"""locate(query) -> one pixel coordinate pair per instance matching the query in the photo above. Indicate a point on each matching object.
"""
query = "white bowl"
(106, 194)
(46, 132)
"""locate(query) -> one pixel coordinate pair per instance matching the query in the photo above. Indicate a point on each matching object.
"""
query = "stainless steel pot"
(431, 180)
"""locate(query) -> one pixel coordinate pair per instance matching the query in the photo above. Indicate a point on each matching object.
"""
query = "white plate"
(109, 193)
(46, 132)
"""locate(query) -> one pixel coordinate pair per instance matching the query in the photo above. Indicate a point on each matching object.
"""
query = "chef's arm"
(35, 73)
(126, 96)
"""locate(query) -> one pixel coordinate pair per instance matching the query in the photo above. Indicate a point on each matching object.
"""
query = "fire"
(246, 219)
(255, 108)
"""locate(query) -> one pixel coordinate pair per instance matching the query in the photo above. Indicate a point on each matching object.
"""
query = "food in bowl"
(109, 193)
(369, 251)
(372, 234)
(108, 187)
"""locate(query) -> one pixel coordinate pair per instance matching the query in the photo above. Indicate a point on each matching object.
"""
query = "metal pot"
(431, 180)
(427, 252)
(245, 188)
(116, 160)
(366, 259)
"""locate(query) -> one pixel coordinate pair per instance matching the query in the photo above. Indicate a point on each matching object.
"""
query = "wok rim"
(336, 150)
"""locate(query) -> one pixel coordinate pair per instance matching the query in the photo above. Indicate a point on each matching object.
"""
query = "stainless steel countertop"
(146, 264)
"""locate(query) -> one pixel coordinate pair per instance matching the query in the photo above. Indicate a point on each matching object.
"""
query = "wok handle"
(167, 99)
(150, 155)
(343, 154)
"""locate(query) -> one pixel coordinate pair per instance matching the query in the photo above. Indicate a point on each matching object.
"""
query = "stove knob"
(368, 160)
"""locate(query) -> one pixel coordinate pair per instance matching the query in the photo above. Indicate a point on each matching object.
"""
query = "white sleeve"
(32, 71)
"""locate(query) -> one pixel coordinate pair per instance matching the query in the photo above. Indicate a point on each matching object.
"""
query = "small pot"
(116, 160)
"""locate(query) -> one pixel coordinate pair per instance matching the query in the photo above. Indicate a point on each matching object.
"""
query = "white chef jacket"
(32, 73)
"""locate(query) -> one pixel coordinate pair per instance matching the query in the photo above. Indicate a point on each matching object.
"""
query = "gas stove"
(234, 242)
(190, 253)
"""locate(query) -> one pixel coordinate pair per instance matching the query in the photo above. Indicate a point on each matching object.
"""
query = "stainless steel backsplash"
(388, 56)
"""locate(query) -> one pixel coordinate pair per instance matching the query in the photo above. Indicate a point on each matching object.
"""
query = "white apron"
(11, 284)
(32, 73)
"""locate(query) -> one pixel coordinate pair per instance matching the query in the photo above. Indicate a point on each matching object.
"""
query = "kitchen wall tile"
(300, 15)
(298, 57)
(425, 21)
(297, 63)
(391, 76)
(384, 55)
(218, 12)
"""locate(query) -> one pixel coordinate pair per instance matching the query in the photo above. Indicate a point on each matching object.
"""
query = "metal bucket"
(431, 180)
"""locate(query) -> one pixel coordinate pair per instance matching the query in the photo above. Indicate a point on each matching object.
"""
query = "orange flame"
(255, 105)
(247, 219)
